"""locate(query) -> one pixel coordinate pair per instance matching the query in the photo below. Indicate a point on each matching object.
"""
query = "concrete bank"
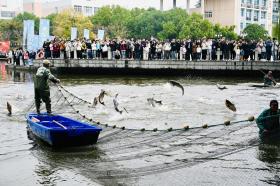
(156, 67)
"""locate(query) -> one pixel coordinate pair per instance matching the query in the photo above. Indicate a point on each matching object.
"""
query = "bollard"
(126, 63)
(256, 55)
(218, 54)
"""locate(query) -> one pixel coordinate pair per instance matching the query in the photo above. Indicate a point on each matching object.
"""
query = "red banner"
(4, 46)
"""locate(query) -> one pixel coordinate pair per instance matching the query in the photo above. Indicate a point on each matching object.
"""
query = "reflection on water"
(19, 76)
(55, 164)
(13, 75)
(3, 71)
(269, 153)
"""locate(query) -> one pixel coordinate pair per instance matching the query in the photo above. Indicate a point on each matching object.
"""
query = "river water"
(218, 155)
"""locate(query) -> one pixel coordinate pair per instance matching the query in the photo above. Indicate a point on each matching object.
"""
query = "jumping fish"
(153, 102)
(95, 101)
(116, 105)
(177, 84)
(230, 105)
(221, 87)
(101, 96)
(9, 108)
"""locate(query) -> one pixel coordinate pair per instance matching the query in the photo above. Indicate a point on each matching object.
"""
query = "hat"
(46, 62)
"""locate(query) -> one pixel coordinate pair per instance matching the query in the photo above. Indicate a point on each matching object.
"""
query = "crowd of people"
(195, 50)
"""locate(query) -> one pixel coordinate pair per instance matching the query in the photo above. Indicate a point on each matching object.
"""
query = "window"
(249, 4)
(256, 15)
(249, 1)
(263, 15)
(3, 3)
(275, 18)
(95, 9)
(248, 15)
(264, 3)
(88, 10)
(242, 12)
(243, 3)
(208, 14)
(78, 8)
(257, 4)
(8, 14)
(241, 26)
(275, 7)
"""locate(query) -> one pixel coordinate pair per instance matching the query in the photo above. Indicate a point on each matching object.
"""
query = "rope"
(61, 89)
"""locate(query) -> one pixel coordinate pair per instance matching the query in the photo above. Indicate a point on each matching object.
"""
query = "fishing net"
(162, 150)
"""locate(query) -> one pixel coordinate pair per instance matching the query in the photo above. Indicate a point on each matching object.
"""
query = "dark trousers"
(45, 96)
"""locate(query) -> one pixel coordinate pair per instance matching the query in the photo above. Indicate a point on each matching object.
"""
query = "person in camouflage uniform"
(41, 86)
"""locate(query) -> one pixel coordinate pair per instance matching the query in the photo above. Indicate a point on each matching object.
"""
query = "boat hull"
(62, 131)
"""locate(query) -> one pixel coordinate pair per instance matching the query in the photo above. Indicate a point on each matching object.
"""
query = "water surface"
(214, 156)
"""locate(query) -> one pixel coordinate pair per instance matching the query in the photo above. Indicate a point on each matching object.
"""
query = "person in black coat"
(188, 49)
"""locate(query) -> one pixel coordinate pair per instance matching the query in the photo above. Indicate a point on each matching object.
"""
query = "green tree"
(28, 16)
(172, 23)
(144, 24)
(168, 31)
(12, 29)
(255, 32)
(276, 30)
(102, 18)
(196, 27)
(120, 17)
(112, 20)
(69, 18)
(227, 32)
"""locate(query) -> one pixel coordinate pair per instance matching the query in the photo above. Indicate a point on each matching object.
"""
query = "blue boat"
(58, 130)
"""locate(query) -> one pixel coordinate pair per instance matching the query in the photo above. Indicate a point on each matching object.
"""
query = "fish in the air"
(177, 84)
(153, 102)
(221, 87)
(116, 105)
(9, 108)
(95, 101)
(101, 96)
(230, 105)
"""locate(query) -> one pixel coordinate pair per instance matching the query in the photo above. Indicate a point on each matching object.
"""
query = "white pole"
(161, 5)
(188, 6)
(202, 8)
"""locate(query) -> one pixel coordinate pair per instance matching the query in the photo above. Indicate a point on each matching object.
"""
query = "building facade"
(275, 11)
(43, 8)
(10, 8)
(240, 13)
